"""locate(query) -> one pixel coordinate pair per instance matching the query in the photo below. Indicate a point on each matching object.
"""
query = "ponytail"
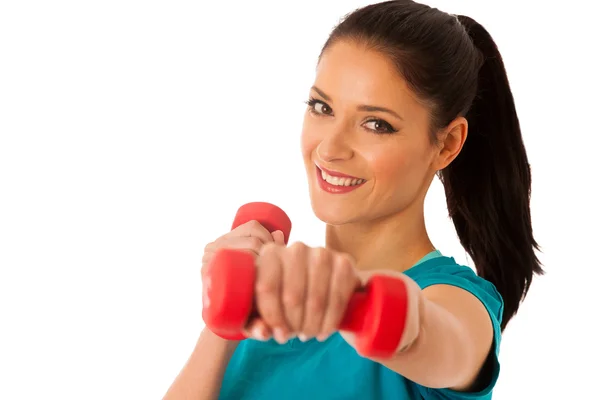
(488, 185)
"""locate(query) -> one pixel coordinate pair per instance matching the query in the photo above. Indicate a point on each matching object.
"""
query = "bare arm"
(453, 343)
(449, 335)
(200, 378)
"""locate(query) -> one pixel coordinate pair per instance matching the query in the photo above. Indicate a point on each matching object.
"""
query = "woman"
(402, 92)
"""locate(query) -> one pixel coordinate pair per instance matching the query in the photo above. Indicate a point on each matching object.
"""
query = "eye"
(380, 126)
(319, 107)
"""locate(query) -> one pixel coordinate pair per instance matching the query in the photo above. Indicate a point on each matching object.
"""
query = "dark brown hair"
(454, 66)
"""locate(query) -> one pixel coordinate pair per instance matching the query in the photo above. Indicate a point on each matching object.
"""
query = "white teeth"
(335, 180)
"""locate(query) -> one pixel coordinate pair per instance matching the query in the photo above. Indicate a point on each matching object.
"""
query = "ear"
(452, 140)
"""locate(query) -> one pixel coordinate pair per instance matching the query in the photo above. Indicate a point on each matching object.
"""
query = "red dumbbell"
(226, 300)
(376, 314)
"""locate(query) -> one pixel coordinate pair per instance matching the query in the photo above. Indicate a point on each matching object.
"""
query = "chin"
(334, 213)
(330, 217)
(327, 216)
(334, 209)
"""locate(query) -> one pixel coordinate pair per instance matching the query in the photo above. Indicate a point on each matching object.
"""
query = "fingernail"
(323, 337)
(279, 336)
(258, 334)
(302, 337)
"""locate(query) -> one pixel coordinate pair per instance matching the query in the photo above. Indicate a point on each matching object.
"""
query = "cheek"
(308, 141)
(389, 165)
(398, 167)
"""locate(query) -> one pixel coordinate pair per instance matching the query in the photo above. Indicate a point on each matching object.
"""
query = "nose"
(334, 146)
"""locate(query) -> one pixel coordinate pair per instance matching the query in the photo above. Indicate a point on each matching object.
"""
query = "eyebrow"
(362, 107)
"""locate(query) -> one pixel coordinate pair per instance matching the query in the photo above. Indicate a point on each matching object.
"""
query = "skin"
(211, 353)
(378, 228)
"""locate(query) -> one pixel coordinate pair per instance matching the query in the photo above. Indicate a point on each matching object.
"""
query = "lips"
(337, 182)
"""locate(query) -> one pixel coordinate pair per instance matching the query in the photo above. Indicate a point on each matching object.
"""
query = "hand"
(301, 291)
(251, 236)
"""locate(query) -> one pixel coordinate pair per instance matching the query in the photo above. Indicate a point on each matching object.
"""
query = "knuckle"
(254, 225)
(268, 249)
(254, 243)
(344, 266)
(297, 249)
(320, 256)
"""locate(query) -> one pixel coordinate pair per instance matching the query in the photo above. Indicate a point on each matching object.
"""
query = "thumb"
(278, 237)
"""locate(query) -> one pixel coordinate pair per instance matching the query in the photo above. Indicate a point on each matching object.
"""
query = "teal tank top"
(333, 370)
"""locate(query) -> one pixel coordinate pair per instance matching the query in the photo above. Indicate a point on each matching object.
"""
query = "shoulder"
(446, 271)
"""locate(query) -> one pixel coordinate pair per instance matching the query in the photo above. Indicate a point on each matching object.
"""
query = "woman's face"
(364, 124)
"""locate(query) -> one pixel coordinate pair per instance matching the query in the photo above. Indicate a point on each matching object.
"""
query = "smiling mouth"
(340, 180)
(335, 182)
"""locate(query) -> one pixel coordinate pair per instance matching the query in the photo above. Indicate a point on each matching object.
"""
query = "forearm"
(201, 377)
(447, 336)
(440, 355)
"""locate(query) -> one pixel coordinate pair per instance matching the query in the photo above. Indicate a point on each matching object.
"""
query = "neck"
(394, 242)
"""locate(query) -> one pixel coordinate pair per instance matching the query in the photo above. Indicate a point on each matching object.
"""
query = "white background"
(131, 131)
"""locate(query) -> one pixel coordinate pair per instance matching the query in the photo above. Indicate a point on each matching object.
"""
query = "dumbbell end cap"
(268, 215)
(385, 320)
(228, 287)
(231, 336)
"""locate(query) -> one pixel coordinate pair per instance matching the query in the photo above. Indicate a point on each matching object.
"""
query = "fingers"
(250, 236)
(301, 291)
(278, 237)
(294, 285)
(268, 291)
(344, 282)
(246, 243)
(317, 296)
(250, 243)
(253, 237)
(258, 329)
(253, 229)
